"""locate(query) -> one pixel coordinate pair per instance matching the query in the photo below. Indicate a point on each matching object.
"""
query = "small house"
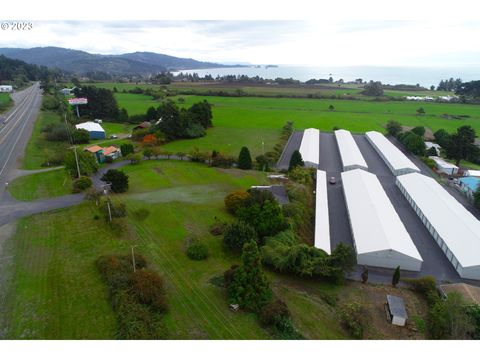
(444, 166)
(94, 129)
(278, 192)
(112, 152)
(396, 312)
(6, 88)
(429, 145)
(98, 152)
(143, 125)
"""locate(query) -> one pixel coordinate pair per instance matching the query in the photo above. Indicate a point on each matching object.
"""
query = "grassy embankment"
(42, 185)
(5, 102)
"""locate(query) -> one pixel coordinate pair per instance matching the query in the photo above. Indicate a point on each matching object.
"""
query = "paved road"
(15, 131)
(293, 144)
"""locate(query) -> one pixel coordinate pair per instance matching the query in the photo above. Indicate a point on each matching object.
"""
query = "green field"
(5, 102)
(42, 185)
(39, 150)
(240, 121)
(51, 271)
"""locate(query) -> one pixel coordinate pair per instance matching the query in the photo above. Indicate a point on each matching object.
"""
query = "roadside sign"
(78, 101)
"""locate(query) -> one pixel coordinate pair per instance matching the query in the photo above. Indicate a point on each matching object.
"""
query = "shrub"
(126, 149)
(235, 200)
(429, 162)
(87, 163)
(81, 184)
(197, 251)
(80, 136)
(295, 160)
(352, 317)
(237, 234)
(273, 312)
(302, 175)
(228, 275)
(147, 286)
(222, 161)
(141, 214)
(419, 130)
(426, 286)
(244, 159)
(394, 128)
(218, 228)
(118, 180)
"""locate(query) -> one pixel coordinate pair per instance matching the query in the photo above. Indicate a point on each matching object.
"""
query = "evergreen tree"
(396, 276)
(394, 128)
(295, 160)
(244, 159)
(365, 275)
(250, 288)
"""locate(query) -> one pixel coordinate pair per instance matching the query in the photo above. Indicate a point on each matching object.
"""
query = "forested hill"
(81, 62)
(18, 72)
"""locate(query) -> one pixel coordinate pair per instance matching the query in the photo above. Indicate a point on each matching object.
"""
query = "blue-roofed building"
(469, 185)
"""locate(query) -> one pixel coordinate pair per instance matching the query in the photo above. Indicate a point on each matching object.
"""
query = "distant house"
(278, 192)
(474, 173)
(6, 88)
(470, 293)
(429, 145)
(95, 130)
(444, 166)
(98, 152)
(67, 91)
(144, 125)
(396, 311)
(112, 152)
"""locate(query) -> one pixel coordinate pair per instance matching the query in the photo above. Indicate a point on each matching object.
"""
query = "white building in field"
(322, 220)
(396, 161)
(380, 238)
(6, 88)
(454, 228)
(444, 166)
(310, 147)
(350, 154)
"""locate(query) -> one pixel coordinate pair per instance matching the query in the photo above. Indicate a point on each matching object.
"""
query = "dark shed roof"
(278, 192)
(396, 306)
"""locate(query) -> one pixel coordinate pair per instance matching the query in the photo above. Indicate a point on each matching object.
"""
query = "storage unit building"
(322, 221)
(444, 166)
(453, 227)
(396, 161)
(95, 130)
(310, 147)
(350, 154)
(380, 238)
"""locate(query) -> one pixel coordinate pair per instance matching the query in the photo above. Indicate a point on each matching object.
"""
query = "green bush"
(197, 251)
(82, 183)
(352, 317)
(118, 180)
(273, 312)
(429, 162)
(426, 286)
(237, 234)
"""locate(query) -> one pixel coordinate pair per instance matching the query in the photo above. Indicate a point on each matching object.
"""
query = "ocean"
(425, 76)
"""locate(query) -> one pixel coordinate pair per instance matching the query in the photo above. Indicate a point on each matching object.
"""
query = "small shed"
(444, 166)
(396, 310)
(112, 152)
(97, 151)
(6, 88)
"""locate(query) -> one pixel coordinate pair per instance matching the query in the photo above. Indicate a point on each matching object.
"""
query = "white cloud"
(319, 42)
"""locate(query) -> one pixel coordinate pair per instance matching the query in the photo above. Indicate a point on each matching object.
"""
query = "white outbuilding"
(350, 154)
(95, 130)
(396, 161)
(310, 147)
(6, 88)
(380, 238)
(322, 221)
(453, 227)
(444, 166)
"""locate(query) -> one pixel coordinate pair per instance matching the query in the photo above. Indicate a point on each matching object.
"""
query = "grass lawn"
(39, 150)
(135, 103)
(112, 128)
(240, 121)
(41, 185)
(5, 102)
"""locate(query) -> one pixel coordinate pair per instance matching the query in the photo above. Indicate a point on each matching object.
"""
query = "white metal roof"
(310, 147)
(375, 224)
(444, 164)
(90, 126)
(390, 152)
(322, 222)
(475, 173)
(457, 227)
(349, 151)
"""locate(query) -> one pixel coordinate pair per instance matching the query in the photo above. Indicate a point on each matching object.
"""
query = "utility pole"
(133, 258)
(76, 160)
(105, 191)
